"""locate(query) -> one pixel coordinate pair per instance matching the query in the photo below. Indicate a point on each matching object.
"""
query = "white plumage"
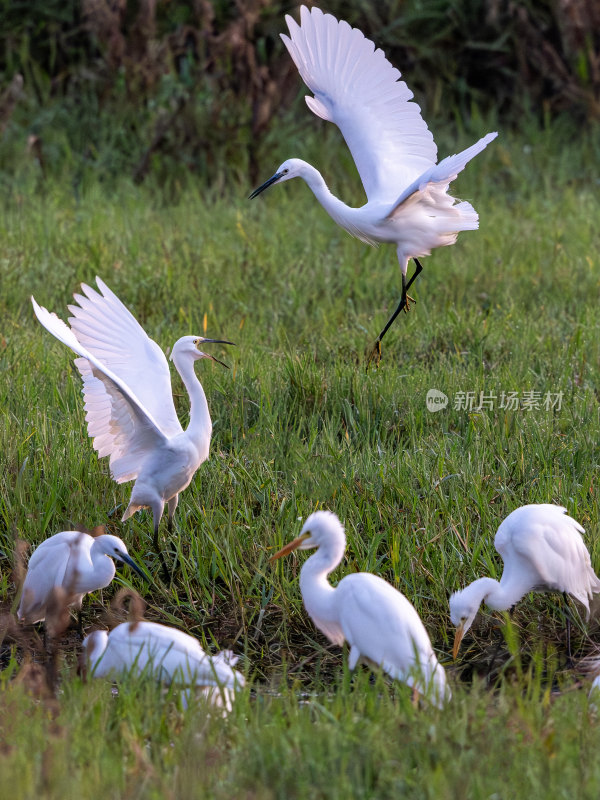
(168, 655)
(129, 402)
(73, 562)
(594, 693)
(378, 622)
(542, 550)
(357, 89)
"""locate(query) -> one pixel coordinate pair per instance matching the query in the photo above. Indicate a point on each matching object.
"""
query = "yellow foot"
(409, 300)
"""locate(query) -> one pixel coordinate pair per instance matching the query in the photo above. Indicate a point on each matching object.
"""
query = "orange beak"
(458, 639)
(291, 546)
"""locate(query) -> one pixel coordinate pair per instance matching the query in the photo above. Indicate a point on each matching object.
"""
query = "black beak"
(222, 363)
(124, 557)
(265, 185)
(218, 341)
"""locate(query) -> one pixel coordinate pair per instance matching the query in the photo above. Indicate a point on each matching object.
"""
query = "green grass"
(300, 424)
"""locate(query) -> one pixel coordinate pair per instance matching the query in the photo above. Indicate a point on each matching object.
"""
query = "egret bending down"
(72, 561)
(165, 653)
(376, 620)
(542, 550)
(357, 88)
(129, 403)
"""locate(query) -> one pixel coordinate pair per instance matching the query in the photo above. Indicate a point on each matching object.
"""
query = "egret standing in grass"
(165, 653)
(378, 622)
(357, 88)
(543, 551)
(129, 402)
(73, 562)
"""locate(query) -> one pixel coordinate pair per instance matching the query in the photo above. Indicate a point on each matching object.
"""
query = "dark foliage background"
(173, 87)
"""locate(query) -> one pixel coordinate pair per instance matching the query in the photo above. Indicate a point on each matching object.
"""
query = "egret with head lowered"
(543, 551)
(74, 563)
(357, 88)
(378, 622)
(166, 654)
(129, 402)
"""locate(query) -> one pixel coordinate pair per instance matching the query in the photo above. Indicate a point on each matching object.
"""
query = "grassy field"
(299, 424)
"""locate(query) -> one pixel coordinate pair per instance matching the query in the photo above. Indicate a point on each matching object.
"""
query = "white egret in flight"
(543, 551)
(129, 402)
(165, 653)
(378, 622)
(72, 561)
(357, 88)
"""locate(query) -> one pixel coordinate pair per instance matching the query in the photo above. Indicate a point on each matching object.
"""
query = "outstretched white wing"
(442, 174)
(357, 88)
(108, 330)
(121, 426)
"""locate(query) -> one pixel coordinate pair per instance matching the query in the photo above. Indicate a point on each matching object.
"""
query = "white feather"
(357, 89)
(378, 622)
(168, 655)
(72, 561)
(128, 399)
(543, 550)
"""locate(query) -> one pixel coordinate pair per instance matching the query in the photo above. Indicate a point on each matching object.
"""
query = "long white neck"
(317, 592)
(336, 209)
(498, 596)
(103, 566)
(200, 427)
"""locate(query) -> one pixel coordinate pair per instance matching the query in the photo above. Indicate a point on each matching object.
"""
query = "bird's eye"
(196, 342)
(284, 171)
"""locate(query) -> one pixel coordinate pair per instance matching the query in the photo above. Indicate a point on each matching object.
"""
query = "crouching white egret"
(378, 622)
(129, 402)
(357, 88)
(73, 562)
(542, 551)
(168, 655)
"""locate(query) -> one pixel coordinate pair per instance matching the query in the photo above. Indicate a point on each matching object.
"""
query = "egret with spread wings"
(129, 402)
(357, 88)
(378, 622)
(542, 550)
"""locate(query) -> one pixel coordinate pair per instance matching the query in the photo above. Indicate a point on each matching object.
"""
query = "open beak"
(458, 636)
(124, 557)
(217, 341)
(265, 185)
(291, 546)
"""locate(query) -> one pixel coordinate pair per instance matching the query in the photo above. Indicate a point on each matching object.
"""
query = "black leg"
(80, 622)
(498, 646)
(170, 528)
(403, 304)
(418, 270)
(568, 619)
(163, 564)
